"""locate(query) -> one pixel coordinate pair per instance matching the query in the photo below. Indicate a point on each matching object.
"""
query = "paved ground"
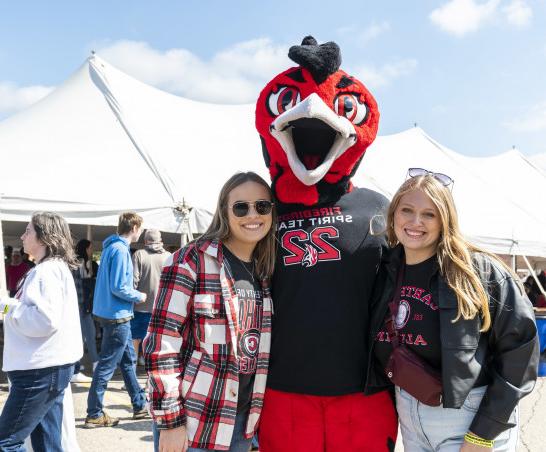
(128, 435)
(136, 436)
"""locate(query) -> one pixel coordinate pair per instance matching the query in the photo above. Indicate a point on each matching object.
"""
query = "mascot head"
(315, 122)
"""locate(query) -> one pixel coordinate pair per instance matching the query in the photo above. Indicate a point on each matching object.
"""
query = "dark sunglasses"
(444, 179)
(261, 206)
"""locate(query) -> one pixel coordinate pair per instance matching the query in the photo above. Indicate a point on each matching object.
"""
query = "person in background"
(147, 266)
(113, 304)
(462, 315)
(42, 338)
(207, 348)
(26, 258)
(84, 277)
(15, 271)
(8, 249)
(533, 290)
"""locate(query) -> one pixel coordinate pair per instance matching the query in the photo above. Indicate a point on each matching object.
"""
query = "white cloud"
(376, 77)
(518, 13)
(234, 75)
(370, 33)
(459, 17)
(533, 121)
(14, 98)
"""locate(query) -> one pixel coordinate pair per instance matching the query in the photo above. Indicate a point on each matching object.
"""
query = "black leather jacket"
(505, 358)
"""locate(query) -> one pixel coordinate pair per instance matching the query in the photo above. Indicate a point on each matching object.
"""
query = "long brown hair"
(53, 231)
(454, 252)
(264, 253)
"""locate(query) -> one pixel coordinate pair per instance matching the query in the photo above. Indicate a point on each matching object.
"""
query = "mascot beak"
(313, 137)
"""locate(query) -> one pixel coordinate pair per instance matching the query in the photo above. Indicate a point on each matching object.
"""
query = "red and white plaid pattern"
(191, 348)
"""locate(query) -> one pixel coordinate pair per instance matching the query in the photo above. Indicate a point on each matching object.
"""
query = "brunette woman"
(207, 348)
(42, 338)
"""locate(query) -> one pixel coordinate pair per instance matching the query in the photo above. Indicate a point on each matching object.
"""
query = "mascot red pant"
(351, 423)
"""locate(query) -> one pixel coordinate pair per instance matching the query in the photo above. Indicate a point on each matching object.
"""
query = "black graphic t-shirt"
(418, 319)
(249, 292)
(327, 262)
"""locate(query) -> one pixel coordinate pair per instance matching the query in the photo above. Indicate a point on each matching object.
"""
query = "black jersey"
(326, 267)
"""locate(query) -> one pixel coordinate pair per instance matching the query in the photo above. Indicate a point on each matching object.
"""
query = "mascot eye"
(283, 99)
(349, 106)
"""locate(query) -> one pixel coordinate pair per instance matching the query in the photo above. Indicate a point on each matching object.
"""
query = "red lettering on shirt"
(419, 340)
(426, 299)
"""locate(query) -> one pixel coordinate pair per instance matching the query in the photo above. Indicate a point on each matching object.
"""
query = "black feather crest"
(320, 60)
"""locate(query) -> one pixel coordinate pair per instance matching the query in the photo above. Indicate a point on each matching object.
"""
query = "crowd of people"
(203, 316)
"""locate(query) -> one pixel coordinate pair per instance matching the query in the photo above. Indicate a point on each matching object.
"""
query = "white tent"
(104, 142)
(493, 195)
(539, 160)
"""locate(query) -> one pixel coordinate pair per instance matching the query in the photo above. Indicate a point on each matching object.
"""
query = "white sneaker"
(80, 378)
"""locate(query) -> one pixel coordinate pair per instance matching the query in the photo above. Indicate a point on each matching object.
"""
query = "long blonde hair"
(454, 252)
(264, 253)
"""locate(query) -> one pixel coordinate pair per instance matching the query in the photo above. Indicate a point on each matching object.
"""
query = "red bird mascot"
(316, 122)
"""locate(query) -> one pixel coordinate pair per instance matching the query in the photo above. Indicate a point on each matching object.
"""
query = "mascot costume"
(315, 123)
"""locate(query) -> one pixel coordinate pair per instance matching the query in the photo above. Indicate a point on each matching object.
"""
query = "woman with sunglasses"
(462, 321)
(207, 348)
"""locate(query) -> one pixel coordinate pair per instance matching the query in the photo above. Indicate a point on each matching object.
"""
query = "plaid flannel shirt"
(191, 348)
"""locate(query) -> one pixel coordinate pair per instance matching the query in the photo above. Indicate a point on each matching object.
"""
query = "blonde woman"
(463, 317)
(207, 348)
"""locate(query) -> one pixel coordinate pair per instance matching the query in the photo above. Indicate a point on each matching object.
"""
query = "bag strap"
(393, 307)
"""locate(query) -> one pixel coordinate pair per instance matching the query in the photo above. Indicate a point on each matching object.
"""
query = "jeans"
(238, 441)
(116, 349)
(35, 407)
(89, 333)
(427, 428)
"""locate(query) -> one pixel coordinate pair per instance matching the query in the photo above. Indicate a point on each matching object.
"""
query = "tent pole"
(514, 263)
(534, 274)
(3, 288)
(89, 234)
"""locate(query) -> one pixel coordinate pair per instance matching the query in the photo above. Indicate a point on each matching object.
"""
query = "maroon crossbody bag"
(407, 369)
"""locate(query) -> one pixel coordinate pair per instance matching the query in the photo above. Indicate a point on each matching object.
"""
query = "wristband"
(473, 439)
(6, 309)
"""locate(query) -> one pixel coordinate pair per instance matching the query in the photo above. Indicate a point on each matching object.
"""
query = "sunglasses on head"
(444, 179)
(261, 206)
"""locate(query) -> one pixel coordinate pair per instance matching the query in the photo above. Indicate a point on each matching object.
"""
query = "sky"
(470, 73)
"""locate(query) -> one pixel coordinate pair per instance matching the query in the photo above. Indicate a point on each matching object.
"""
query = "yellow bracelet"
(473, 439)
(6, 309)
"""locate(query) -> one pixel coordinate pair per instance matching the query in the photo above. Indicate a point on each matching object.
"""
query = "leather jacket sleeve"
(513, 351)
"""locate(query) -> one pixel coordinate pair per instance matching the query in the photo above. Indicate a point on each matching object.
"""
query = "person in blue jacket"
(113, 305)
